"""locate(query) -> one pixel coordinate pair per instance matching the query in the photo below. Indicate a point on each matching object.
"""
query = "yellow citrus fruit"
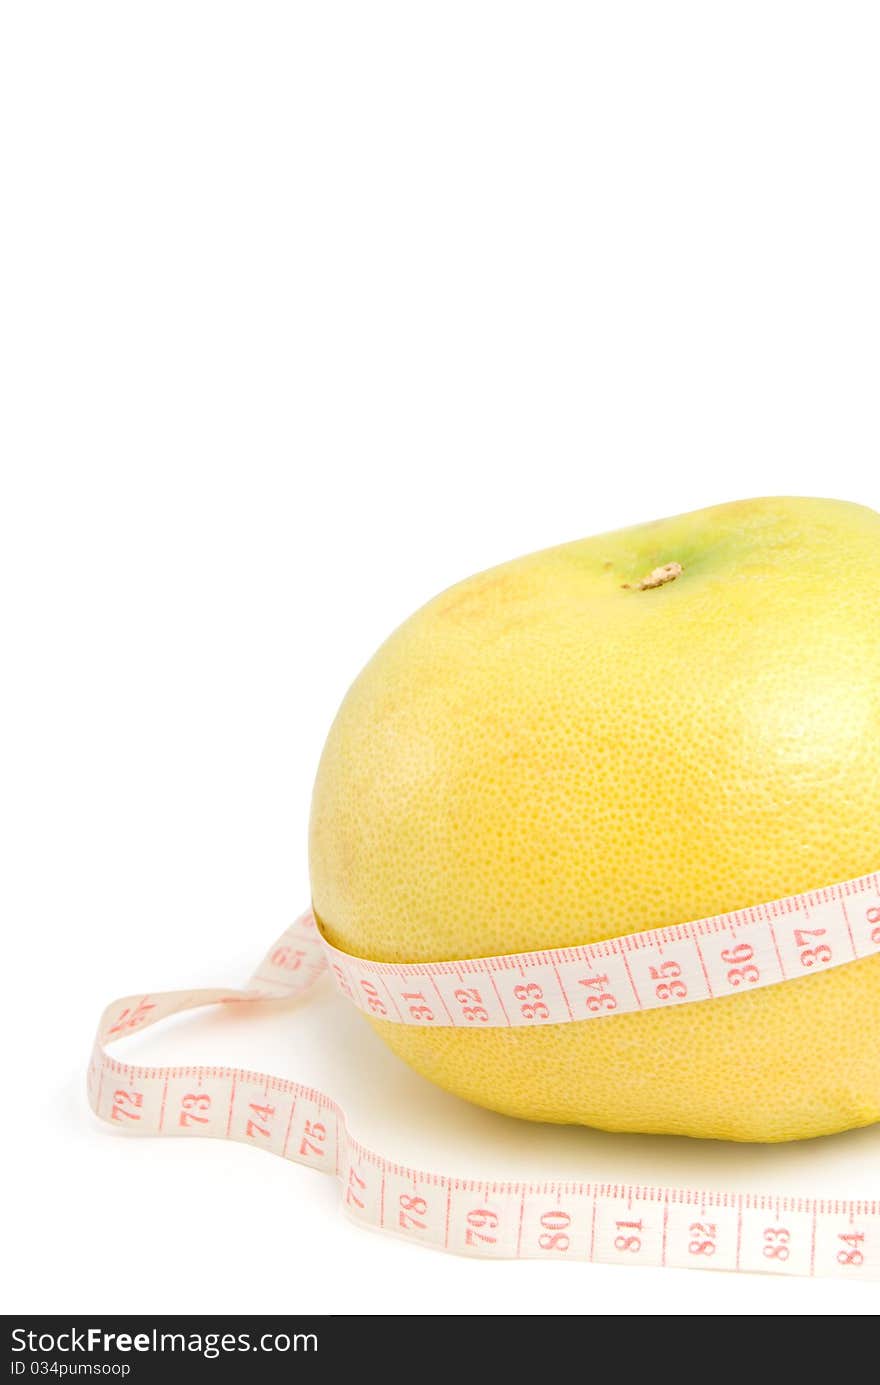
(576, 745)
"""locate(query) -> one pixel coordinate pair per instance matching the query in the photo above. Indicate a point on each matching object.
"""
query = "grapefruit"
(628, 731)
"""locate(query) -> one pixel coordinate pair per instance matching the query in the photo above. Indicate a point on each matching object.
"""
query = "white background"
(310, 310)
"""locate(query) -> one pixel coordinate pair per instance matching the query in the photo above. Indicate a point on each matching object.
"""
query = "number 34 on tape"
(599, 1222)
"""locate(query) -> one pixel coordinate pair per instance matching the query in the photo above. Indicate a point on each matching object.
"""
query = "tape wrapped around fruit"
(656, 725)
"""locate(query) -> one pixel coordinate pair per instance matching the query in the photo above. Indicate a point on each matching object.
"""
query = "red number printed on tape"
(412, 1207)
(782, 942)
(703, 1237)
(556, 1223)
(126, 1105)
(194, 1108)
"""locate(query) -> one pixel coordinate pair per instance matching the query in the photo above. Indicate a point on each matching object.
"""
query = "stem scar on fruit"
(657, 578)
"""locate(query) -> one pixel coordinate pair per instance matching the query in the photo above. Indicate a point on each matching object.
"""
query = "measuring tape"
(609, 1223)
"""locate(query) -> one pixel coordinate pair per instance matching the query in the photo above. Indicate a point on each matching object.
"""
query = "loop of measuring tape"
(608, 1223)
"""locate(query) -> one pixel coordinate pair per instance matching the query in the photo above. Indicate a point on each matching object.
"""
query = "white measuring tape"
(609, 1223)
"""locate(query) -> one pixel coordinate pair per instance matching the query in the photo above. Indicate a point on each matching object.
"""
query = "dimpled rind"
(547, 754)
